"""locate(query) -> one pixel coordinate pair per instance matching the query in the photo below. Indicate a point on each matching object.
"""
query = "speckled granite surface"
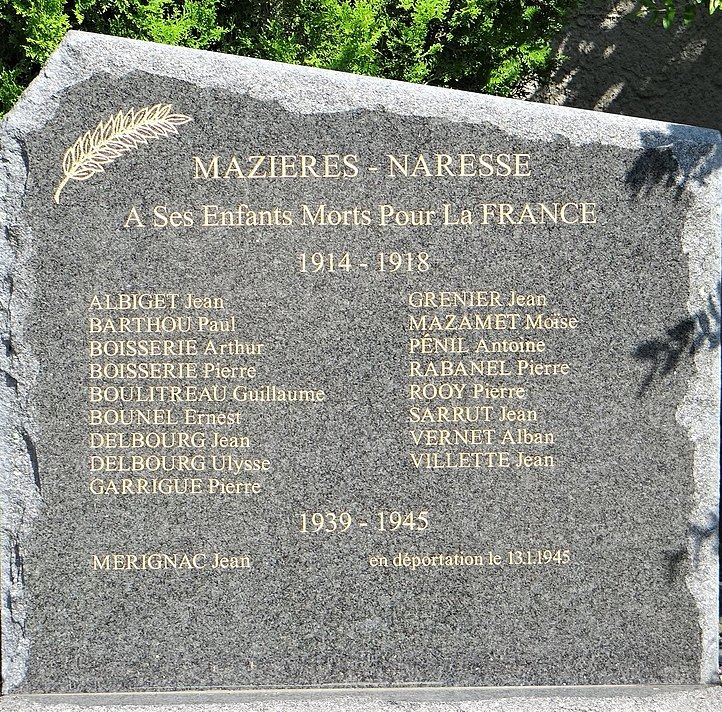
(319, 380)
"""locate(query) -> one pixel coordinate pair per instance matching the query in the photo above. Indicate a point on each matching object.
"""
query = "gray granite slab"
(321, 381)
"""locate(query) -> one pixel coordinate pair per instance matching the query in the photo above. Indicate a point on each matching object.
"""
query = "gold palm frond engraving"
(112, 138)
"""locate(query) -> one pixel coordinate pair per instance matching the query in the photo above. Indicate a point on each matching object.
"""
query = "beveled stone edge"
(20, 494)
(699, 413)
(302, 89)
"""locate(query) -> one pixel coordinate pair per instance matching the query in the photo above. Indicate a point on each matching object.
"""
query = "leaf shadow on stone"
(673, 563)
(698, 534)
(682, 341)
(671, 159)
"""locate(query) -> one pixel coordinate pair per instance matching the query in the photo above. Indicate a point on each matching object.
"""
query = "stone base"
(503, 699)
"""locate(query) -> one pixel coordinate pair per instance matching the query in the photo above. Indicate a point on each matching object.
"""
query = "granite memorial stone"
(315, 380)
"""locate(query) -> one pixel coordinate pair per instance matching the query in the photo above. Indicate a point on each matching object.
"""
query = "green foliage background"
(494, 46)
(667, 12)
